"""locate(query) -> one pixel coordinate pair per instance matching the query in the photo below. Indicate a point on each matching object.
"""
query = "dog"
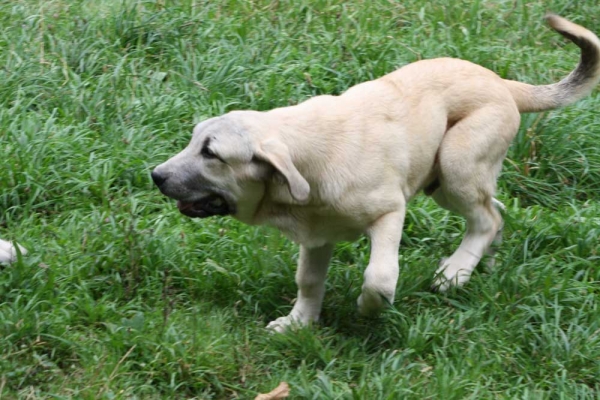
(335, 167)
(8, 251)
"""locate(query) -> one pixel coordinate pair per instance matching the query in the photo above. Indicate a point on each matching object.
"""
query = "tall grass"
(122, 297)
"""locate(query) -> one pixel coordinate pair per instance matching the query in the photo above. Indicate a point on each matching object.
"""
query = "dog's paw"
(8, 252)
(490, 263)
(450, 275)
(371, 303)
(283, 324)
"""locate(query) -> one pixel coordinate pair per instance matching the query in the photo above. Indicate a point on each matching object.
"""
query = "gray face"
(216, 174)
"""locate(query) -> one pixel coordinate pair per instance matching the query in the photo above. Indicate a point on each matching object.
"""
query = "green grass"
(122, 297)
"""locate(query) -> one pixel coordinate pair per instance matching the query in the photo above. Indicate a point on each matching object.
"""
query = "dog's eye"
(208, 153)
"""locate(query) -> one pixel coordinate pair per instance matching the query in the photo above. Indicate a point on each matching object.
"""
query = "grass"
(122, 297)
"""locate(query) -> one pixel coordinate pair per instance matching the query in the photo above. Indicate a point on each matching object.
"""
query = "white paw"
(282, 324)
(371, 302)
(8, 252)
(450, 275)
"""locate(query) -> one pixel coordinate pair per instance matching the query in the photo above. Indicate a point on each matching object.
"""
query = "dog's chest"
(315, 230)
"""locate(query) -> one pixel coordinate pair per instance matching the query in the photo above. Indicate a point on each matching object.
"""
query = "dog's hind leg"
(470, 160)
(483, 223)
(491, 253)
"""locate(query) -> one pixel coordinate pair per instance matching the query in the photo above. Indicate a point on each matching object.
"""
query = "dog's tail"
(578, 84)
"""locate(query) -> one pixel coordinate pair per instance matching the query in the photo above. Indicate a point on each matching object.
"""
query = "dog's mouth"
(213, 204)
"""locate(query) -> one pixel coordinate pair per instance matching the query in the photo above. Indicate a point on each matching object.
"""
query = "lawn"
(121, 296)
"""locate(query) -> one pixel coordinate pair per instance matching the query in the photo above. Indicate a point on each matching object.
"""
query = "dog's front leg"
(310, 277)
(381, 275)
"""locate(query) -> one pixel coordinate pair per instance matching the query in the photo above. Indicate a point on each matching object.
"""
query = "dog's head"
(225, 167)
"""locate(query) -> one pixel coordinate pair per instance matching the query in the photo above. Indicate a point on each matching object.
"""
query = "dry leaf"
(280, 392)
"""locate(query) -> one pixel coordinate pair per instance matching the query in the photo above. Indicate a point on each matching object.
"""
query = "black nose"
(158, 178)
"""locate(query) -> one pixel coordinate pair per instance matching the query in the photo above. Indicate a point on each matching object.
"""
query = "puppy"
(335, 167)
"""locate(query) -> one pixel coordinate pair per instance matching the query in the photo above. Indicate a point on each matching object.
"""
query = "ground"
(120, 296)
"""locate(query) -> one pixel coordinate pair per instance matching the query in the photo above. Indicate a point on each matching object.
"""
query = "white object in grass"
(8, 251)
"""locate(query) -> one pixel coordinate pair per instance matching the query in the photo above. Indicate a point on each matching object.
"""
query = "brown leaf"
(280, 392)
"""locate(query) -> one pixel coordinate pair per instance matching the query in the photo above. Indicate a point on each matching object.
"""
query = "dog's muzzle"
(208, 206)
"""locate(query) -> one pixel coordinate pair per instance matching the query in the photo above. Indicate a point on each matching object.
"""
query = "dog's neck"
(303, 132)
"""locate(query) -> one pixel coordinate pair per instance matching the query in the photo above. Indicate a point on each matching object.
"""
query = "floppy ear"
(277, 154)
